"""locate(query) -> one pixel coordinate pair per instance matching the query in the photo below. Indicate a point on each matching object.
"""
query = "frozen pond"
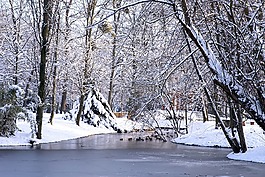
(113, 155)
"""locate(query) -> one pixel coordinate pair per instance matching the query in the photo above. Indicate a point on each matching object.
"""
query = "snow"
(60, 130)
(215, 64)
(201, 134)
(253, 155)
(205, 134)
(96, 110)
(224, 77)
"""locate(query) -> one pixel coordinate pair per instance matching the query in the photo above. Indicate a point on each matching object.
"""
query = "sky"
(201, 134)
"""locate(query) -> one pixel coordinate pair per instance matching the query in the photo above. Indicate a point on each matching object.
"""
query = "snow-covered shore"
(60, 130)
(205, 134)
(201, 134)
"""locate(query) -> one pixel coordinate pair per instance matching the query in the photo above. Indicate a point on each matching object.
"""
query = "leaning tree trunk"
(232, 141)
(253, 105)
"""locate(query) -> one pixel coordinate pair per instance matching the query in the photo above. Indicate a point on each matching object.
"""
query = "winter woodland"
(85, 58)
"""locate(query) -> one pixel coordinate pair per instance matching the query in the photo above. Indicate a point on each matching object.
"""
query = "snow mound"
(252, 155)
(205, 134)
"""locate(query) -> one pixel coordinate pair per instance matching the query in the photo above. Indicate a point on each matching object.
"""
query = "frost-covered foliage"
(96, 110)
(31, 102)
(11, 101)
(13, 106)
(8, 120)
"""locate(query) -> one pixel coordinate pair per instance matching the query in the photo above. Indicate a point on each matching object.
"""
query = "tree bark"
(16, 37)
(27, 88)
(232, 141)
(47, 12)
(54, 75)
(114, 57)
(240, 130)
(80, 110)
(66, 47)
(63, 102)
(204, 110)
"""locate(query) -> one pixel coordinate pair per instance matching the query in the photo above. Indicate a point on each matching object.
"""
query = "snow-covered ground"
(205, 134)
(60, 130)
(202, 134)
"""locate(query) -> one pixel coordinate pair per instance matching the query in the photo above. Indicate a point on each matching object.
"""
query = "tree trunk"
(232, 141)
(47, 12)
(66, 47)
(63, 102)
(240, 130)
(27, 88)
(186, 116)
(114, 57)
(204, 110)
(88, 57)
(16, 39)
(223, 79)
(80, 110)
(111, 86)
(54, 75)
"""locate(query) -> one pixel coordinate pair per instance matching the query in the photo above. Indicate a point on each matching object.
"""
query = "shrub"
(11, 101)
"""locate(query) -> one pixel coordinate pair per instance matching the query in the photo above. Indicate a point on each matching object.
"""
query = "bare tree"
(107, 28)
(90, 15)
(45, 34)
(223, 77)
(252, 102)
(16, 35)
(66, 53)
(56, 19)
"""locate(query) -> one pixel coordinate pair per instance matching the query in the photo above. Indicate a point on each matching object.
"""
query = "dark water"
(113, 155)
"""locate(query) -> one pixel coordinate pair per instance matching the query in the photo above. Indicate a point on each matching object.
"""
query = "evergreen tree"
(96, 110)
(10, 107)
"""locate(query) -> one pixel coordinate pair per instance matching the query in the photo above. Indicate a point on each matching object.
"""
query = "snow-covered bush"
(31, 101)
(8, 120)
(31, 119)
(96, 110)
(13, 106)
(11, 101)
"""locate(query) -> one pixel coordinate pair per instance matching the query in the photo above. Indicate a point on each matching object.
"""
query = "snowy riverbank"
(201, 134)
(60, 130)
(205, 134)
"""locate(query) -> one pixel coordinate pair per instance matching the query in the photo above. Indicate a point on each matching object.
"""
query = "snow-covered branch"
(224, 79)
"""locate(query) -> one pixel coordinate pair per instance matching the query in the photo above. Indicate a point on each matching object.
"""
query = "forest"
(141, 55)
